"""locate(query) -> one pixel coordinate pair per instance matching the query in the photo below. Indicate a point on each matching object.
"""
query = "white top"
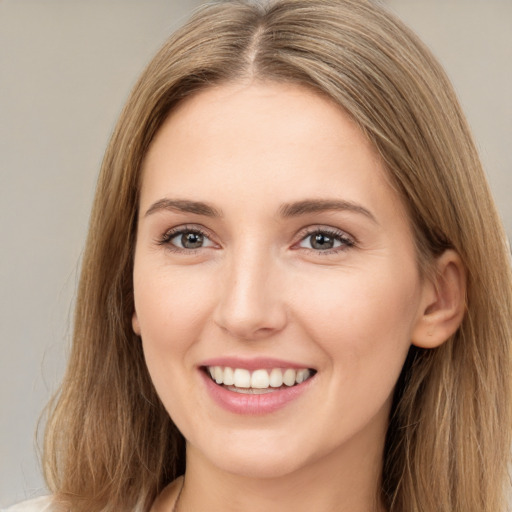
(42, 504)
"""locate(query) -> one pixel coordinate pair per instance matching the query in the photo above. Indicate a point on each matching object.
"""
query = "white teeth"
(276, 378)
(229, 377)
(289, 377)
(242, 378)
(218, 375)
(258, 379)
(302, 375)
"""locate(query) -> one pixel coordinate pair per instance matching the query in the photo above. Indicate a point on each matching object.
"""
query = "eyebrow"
(185, 206)
(287, 210)
(322, 205)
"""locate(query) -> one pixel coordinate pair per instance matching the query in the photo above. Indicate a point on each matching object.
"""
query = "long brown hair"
(110, 445)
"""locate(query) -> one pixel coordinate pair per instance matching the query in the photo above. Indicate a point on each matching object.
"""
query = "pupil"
(321, 241)
(192, 240)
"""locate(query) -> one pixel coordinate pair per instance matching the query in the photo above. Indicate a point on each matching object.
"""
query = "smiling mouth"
(241, 380)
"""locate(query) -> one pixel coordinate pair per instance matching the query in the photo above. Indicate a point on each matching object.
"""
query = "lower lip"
(250, 404)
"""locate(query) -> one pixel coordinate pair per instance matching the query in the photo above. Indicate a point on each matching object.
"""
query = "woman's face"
(270, 243)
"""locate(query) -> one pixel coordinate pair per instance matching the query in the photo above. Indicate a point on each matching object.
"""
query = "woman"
(296, 290)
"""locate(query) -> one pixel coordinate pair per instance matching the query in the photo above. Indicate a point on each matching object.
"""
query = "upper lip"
(252, 364)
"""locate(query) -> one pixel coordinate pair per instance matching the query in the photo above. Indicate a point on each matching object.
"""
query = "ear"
(443, 302)
(135, 324)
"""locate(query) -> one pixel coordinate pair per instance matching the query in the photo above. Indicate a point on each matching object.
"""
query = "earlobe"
(443, 304)
(135, 324)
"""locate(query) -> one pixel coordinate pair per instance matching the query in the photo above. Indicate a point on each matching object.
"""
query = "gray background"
(66, 68)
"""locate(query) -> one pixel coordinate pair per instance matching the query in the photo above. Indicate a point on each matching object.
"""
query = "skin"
(257, 288)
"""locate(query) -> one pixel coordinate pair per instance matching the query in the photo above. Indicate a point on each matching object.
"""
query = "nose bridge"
(251, 304)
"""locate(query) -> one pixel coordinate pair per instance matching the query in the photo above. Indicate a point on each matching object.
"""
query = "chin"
(261, 467)
(260, 457)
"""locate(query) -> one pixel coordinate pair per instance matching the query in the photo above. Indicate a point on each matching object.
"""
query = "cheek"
(170, 306)
(171, 312)
(363, 323)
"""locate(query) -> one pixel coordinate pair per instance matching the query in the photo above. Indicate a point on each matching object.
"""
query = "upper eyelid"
(194, 228)
(307, 231)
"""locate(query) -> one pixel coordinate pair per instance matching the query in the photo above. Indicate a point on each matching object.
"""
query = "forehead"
(281, 141)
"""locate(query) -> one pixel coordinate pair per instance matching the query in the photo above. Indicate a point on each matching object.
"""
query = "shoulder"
(42, 504)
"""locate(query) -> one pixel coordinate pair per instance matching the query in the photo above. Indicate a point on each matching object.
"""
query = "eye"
(186, 239)
(189, 240)
(326, 240)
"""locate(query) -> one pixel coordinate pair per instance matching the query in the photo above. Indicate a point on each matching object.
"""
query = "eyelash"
(346, 241)
(175, 232)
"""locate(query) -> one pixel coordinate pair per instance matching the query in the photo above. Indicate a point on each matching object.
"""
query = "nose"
(251, 305)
